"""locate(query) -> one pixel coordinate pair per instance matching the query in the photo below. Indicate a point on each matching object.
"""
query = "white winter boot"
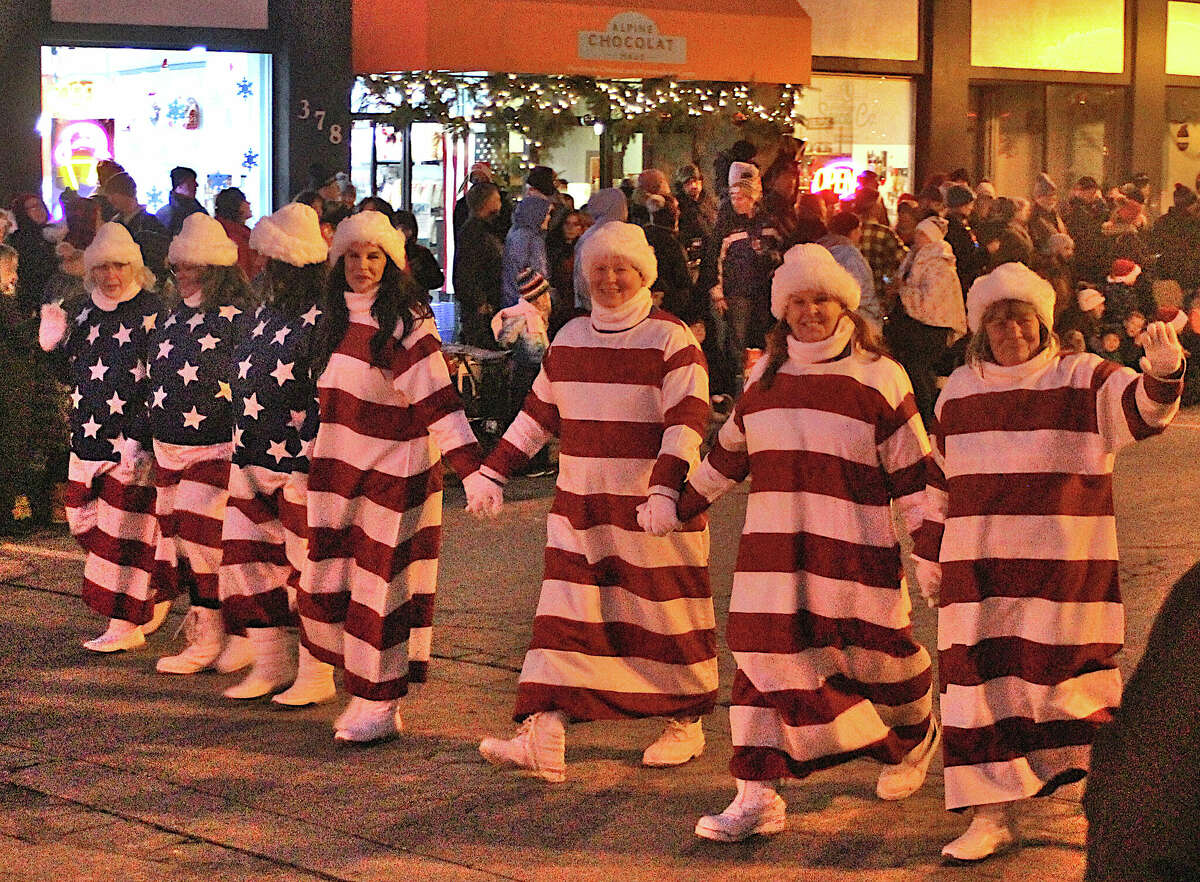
(314, 683)
(365, 721)
(539, 746)
(235, 655)
(157, 617)
(991, 831)
(205, 635)
(272, 668)
(120, 635)
(757, 809)
(679, 742)
(906, 777)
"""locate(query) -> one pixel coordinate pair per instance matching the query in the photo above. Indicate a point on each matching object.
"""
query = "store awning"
(766, 41)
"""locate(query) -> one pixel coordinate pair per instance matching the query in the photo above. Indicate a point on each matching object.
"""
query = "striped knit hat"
(531, 284)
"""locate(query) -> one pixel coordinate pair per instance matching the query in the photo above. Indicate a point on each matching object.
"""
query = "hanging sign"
(631, 36)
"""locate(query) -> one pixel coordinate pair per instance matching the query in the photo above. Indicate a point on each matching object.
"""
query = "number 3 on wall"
(307, 112)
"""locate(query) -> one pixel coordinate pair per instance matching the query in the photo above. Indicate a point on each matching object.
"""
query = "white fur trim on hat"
(373, 228)
(112, 244)
(739, 171)
(1010, 281)
(1089, 299)
(202, 242)
(623, 240)
(933, 227)
(292, 235)
(811, 267)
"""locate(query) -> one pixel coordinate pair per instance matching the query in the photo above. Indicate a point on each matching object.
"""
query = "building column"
(943, 97)
(22, 23)
(1148, 95)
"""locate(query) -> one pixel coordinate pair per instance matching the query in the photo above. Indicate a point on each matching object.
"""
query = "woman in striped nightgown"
(624, 627)
(827, 667)
(1030, 616)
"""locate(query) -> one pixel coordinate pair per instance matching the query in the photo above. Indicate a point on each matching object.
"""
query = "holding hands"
(484, 496)
(658, 515)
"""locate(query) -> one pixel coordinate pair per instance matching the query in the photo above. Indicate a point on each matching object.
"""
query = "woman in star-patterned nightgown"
(110, 491)
(274, 422)
(191, 420)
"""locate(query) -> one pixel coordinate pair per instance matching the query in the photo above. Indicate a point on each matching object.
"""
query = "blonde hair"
(865, 339)
(142, 275)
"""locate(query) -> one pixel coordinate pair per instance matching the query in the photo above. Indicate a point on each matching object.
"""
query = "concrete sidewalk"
(109, 771)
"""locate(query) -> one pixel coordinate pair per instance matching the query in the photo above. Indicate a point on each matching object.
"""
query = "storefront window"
(1183, 140)
(1085, 35)
(853, 123)
(151, 110)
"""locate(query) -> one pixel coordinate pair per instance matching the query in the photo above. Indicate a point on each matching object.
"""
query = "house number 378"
(307, 111)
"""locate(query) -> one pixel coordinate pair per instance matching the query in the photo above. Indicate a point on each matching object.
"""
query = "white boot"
(679, 742)
(906, 777)
(272, 667)
(157, 617)
(757, 809)
(205, 635)
(314, 683)
(364, 721)
(236, 654)
(539, 746)
(120, 635)
(991, 830)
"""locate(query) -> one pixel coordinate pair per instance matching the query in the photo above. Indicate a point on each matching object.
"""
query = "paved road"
(111, 772)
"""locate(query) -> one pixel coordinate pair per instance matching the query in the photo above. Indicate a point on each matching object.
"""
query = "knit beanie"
(121, 184)
(985, 188)
(623, 240)
(1044, 186)
(373, 228)
(1185, 196)
(742, 170)
(292, 235)
(541, 178)
(934, 227)
(812, 267)
(531, 284)
(203, 242)
(957, 196)
(112, 244)
(1010, 281)
(1124, 271)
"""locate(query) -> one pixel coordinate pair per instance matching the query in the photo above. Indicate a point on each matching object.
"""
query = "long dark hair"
(865, 338)
(400, 300)
(222, 286)
(292, 288)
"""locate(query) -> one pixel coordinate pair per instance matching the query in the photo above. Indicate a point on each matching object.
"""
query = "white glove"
(53, 326)
(1164, 355)
(484, 496)
(134, 459)
(658, 515)
(929, 580)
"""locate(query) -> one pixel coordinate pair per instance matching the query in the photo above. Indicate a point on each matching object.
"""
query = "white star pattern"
(83, 316)
(310, 317)
(237, 436)
(228, 312)
(98, 370)
(193, 418)
(138, 371)
(160, 395)
(281, 335)
(297, 420)
(283, 372)
(122, 335)
(207, 342)
(195, 321)
(278, 449)
(188, 372)
(115, 404)
(244, 368)
(149, 321)
(252, 407)
(90, 428)
(170, 321)
(93, 333)
(75, 399)
(117, 443)
(258, 329)
(224, 390)
(164, 349)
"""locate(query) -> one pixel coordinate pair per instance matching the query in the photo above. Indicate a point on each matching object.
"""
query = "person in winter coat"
(422, 265)
(1007, 238)
(1020, 554)
(34, 249)
(697, 214)
(181, 202)
(264, 537)
(478, 265)
(929, 315)
(110, 495)
(845, 232)
(151, 236)
(1083, 215)
(970, 257)
(673, 289)
(1123, 233)
(560, 254)
(819, 555)
(625, 626)
(232, 210)
(1176, 238)
(388, 414)
(605, 207)
(525, 245)
(1044, 221)
(481, 173)
(191, 369)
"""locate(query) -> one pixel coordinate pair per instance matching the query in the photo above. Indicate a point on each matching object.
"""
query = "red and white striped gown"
(624, 625)
(1030, 615)
(827, 667)
(375, 505)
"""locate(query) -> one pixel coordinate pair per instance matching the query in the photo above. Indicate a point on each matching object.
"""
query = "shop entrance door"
(406, 168)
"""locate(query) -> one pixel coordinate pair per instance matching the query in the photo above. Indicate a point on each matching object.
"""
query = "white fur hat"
(112, 244)
(1010, 281)
(934, 227)
(811, 267)
(202, 242)
(625, 240)
(371, 227)
(739, 171)
(292, 234)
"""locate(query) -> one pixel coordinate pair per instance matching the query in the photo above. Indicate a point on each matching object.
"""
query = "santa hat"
(531, 284)
(1124, 271)
(1089, 299)
(112, 244)
(292, 235)
(739, 171)
(1173, 316)
(812, 267)
(624, 240)
(934, 227)
(373, 228)
(1010, 281)
(202, 242)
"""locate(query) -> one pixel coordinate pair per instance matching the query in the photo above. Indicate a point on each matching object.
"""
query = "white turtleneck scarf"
(999, 375)
(359, 304)
(108, 304)
(822, 350)
(623, 317)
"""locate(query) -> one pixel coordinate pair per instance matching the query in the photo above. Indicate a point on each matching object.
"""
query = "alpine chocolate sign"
(631, 36)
